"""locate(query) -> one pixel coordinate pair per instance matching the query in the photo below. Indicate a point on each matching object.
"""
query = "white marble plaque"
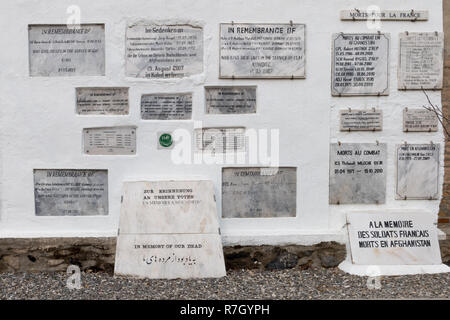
(361, 120)
(393, 238)
(358, 173)
(102, 101)
(220, 140)
(259, 192)
(110, 141)
(166, 106)
(392, 15)
(360, 64)
(419, 120)
(421, 60)
(230, 100)
(61, 50)
(262, 50)
(417, 171)
(157, 51)
(70, 192)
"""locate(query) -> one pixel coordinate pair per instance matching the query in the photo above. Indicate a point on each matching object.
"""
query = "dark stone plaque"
(166, 106)
(230, 100)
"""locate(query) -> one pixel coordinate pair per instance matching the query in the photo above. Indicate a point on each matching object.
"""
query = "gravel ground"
(243, 284)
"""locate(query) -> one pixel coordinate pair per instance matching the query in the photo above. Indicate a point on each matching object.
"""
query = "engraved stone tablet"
(110, 140)
(417, 171)
(361, 120)
(393, 15)
(358, 173)
(419, 120)
(421, 60)
(259, 192)
(263, 50)
(393, 239)
(230, 100)
(70, 192)
(220, 140)
(169, 229)
(163, 51)
(61, 50)
(360, 64)
(108, 101)
(166, 106)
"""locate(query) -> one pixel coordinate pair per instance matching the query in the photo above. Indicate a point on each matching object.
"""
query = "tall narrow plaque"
(250, 50)
(360, 64)
(110, 141)
(166, 106)
(230, 100)
(62, 50)
(102, 101)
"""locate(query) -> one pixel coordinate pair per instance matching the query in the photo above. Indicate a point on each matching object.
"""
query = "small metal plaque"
(361, 120)
(421, 120)
(107, 101)
(166, 106)
(230, 100)
(220, 140)
(110, 141)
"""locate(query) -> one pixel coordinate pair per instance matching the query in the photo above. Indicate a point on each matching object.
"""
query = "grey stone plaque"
(230, 100)
(107, 101)
(360, 64)
(417, 171)
(70, 192)
(361, 120)
(392, 15)
(110, 141)
(166, 106)
(220, 140)
(358, 173)
(419, 120)
(259, 192)
(157, 51)
(262, 50)
(61, 50)
(421, 60)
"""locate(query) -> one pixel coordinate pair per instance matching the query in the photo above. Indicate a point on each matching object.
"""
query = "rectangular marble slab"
(358, 173)
(170, 256)
(421, 120)
(166, 106)
(230, 100)
(220, 140)
(385, 15)
(360, 64)
(62, 50)
(259, 192)
(262, 50)
(421, 57)
(102, 101)
(157, 51)
(110, 140)
(70, 192)
(417, 171)
(361, 120)
(393, 238)
(168, 207)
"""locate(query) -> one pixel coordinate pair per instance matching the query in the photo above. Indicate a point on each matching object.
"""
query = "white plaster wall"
(39, 127)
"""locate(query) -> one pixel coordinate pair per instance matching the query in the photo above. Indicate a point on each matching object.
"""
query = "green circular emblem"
(165, 140)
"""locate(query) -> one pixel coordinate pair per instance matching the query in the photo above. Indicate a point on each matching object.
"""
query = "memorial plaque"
(166, 106)
(417, 171)
(263, 50)
(393, 239)
(259, 192)
(220, 140)
(163, 51)
(393, 15)
(70, 192)
(110, 141)
(230, 100)
(361, 120)
(358, 173)
(107, 101)
(169, 229)
(419, 120)
(421, 60)
(360, 64)
(165, 140)
(62, 50)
